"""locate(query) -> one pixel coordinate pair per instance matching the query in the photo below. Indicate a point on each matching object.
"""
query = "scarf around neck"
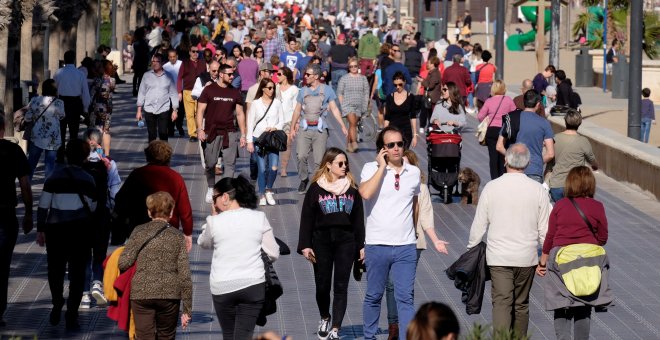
(337, 187)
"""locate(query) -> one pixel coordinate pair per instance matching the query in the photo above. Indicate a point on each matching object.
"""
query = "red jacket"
(131, 199)
(121, 312)
(458, 75)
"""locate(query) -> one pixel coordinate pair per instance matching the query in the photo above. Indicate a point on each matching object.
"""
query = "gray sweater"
(157, 92)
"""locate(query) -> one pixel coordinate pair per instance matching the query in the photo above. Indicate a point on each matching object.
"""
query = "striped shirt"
(60, 200)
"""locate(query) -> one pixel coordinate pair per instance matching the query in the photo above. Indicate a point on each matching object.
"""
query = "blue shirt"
(534, 129)
(289, 59)
(451, 51)
(388, 86)
(301, 63)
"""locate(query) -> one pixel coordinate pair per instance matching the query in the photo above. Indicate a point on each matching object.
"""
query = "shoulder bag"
(26, 126)
(584, 278)
(160, 231)
(482, 128)
(274, 141)
(273, 290)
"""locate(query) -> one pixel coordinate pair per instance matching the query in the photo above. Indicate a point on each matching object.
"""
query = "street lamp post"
(635, 71)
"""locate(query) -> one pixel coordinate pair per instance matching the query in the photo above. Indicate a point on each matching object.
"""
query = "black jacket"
(470, 274)
(413, 61)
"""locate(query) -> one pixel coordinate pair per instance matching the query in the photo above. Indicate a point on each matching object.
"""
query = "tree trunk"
(4, 41)
(554, 32)
(54, 47)
(454, 11)
(121, 29)
(468, 5)
(81, 37)
(132, 20)
(90, 32)
(25, 72)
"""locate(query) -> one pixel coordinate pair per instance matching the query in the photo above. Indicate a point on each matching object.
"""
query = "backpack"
(313, 104)
(574, 100)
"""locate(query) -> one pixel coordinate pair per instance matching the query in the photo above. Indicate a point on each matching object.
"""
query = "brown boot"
(393, 331)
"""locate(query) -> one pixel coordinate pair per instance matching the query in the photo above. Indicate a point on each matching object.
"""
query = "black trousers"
(137, 79)
(157, 124)
(334, 249)
(178, 123)
(238, 311)
(8, 235)
(496, 159)
(73, 108)
(155, 318)
(68, 244)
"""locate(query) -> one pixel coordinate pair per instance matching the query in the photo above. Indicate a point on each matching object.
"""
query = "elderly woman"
(45, 112)
(162, 274)
(550, 99)
(578, 219)
(238, 233)
(571, 150)
(154, 177)
(494, 108)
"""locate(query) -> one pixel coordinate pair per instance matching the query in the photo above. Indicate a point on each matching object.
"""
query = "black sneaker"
(302, 188)
(193, 140)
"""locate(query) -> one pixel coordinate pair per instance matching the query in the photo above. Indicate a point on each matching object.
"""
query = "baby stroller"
(444, 158)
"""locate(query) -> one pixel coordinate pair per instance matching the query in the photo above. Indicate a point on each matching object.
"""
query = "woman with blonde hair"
(494, 109)
(332, 235)
(353, 94)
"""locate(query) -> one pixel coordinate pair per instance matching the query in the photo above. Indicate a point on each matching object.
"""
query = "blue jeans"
(399, 263)
(392, 314)
(556, 194)
(267, 169)
(471, 94)
(646, 130)
(34, 154)
(537, 178)
(336, 75)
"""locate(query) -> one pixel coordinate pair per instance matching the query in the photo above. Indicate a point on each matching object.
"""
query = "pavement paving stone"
(632, 246)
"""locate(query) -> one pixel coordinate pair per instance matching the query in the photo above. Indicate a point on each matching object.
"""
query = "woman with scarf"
(332, 235)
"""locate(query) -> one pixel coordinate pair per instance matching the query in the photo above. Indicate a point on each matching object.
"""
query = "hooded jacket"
(470, 273)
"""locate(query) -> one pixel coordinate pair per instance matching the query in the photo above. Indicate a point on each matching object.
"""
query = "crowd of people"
(265, 77)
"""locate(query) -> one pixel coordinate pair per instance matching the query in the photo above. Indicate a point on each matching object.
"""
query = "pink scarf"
(337, 187)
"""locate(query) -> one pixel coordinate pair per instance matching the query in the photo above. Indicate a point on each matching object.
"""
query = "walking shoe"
(86, 302)
(324, 329)
(97, 293)
(421, 131)
(262, 201)
(334, 335)
(270, 199)
(209, 195)
(393, 331)
(302, 188)
(193, 139)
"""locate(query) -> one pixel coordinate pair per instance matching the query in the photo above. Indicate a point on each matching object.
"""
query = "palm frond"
(46, 10)
(5, 14)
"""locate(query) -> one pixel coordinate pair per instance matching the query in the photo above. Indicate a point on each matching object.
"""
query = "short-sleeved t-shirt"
(301, 63)
(532, 132)
(340, 55)
(570, 151)
(290, 59)
(11, 153)
(327, 92)
(221, 103)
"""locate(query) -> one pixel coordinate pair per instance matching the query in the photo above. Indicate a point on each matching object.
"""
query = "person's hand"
(540, 270)
(106, 162)
(308, 253)
(201, 135)
(414, 141)
(185, 320)
(362, 255)
(41, 238)
(441, 246)
(380, 158)
(653, 122)
(436, 122)
(138, 116)
(344, 130)
(188, 242)
(180, 96)
(27, 224)
(208, 83)
(250, 147)
(451, 123)
(242, 142)
(294, 131)
(174, 115)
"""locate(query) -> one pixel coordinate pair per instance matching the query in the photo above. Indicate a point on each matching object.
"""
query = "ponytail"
(238, 189)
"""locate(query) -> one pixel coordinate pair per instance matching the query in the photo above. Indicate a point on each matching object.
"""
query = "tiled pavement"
(634, 236)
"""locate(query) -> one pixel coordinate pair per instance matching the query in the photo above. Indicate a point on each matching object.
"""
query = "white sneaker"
(270, 199)
(262, 201)
(97, 293)
(209, 195)
(421, 131)
(324, 329)
(86, 302)
(334, 335)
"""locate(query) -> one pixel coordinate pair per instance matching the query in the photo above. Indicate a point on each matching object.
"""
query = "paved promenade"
(634, 222)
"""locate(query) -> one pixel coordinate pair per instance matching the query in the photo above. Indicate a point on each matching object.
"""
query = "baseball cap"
(266, 67)
(341, 36)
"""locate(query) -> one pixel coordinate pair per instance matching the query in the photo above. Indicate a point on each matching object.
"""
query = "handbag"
(585, 279)
(274, 141)
(273, 290)
(482, 128)
(25, 126)
(428, 103)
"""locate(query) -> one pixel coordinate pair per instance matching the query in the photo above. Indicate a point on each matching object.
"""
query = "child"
(648, 114)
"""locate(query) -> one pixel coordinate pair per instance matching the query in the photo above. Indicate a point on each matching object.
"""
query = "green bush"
(106, 32)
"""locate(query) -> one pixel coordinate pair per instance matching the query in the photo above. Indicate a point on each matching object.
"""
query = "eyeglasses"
(309, 74)
(353, 66)
(218, 55)
(393, 144)
(259, 52)
(194, 51)
(229, 74)
(280, 74)
(398, 84)
(444, 89)
(155, 61)
(269, 87)
(397, 177)
(342, 163)
(397, 50)
(214, 71)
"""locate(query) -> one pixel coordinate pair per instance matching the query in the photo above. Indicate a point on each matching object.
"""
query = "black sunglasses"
(309, 74)
(391, 145)
(231, 74)
(342, 163)
(396, 181)
(444, 89)
(269, 87)
(398, 84)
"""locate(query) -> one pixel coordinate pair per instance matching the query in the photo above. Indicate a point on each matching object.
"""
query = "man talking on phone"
(389, 188)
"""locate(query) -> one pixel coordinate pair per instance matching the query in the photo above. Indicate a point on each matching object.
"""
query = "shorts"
(103, 121)
(346, 109)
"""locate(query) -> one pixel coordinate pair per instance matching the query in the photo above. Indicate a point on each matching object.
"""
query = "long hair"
(455, 98)
(263, 83)
(433, 321)
(413, 160)
(328, 157)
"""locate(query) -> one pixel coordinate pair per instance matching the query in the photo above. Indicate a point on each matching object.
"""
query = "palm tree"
(27, 10)
(5, 21)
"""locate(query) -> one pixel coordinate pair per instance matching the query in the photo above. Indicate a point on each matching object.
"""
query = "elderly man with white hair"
(513, 213)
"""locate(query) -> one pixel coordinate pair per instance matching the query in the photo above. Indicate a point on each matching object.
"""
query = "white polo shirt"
(389, 215)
